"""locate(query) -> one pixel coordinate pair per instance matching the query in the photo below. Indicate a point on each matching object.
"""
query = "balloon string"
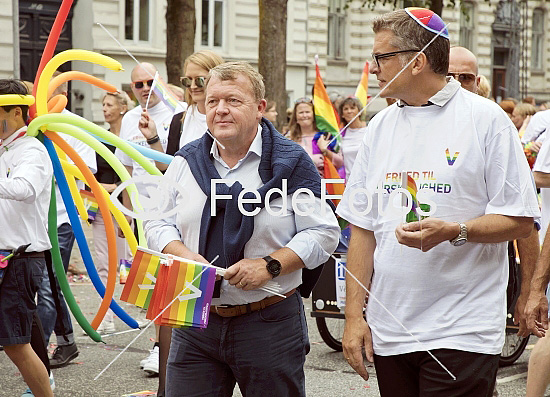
(152, 321)
(395, 318)
(389, 83)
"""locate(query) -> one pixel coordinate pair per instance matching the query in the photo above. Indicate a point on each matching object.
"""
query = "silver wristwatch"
(462, 236)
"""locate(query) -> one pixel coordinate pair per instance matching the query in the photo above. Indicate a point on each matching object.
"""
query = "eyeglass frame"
(376, 57)
(472, 76)
(142, 83)
(187, 82)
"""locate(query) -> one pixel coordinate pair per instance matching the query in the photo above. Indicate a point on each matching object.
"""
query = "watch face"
(459, 242)
(274, 267)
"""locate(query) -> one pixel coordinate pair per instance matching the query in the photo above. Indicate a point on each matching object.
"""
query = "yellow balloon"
(58, 60)
(15, 99)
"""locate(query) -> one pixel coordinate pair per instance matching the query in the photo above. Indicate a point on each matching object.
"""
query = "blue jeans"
(264, 352)
(51, 320)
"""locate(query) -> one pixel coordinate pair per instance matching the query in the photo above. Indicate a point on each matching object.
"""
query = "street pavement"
(327, 373)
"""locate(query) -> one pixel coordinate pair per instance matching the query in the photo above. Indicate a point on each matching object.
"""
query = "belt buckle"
(222, 307)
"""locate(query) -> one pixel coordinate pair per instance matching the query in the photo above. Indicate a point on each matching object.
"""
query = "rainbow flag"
(325, 116)
(141, 279)
(408, 183)
(163, 92)
(330, 172)
(190, 308)
(90, 203)
(362, 90)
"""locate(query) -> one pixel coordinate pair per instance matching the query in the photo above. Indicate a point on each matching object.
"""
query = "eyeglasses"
(463, 78)
(187, 81)
(304, 99)
(377, 57)
(139, 84)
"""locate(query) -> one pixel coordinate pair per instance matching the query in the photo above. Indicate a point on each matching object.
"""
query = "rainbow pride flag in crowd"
(325, 116)
(141, 279)
(362, 90)
(90, 203)
(185, 289)
(163, 92)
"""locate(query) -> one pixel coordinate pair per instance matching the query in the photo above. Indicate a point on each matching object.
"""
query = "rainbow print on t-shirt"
(448, 154)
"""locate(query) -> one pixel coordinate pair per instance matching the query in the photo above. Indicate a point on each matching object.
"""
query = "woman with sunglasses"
(303, 130)
(191, 124)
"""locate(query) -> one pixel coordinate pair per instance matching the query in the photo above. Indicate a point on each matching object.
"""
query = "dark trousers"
(51, 320)
(417, 374)
(264, 352)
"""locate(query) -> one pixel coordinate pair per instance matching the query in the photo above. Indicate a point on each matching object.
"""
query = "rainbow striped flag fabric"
(330, 172)
(408, 183)
(325, 115)
(141, 279)
(163, 92)
(362, 90)
(90, 203)
(185, 289)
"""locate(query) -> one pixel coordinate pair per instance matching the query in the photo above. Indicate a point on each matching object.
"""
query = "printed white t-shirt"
(129, 131)
(537, 127)
(193, 126)
(467, 154)
(350, 147)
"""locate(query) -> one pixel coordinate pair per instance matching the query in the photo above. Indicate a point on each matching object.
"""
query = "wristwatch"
(273, 266)
(462, 236)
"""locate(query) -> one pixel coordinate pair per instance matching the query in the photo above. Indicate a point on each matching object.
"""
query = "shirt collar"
(7, 143)
(441, 97)
(255, 147)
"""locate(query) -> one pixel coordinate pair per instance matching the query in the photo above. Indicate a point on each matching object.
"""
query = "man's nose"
(222, 107)
(373, 67)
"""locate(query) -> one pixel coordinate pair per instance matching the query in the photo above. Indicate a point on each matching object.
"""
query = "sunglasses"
(303, 100)
(377, 57)
(139, 84)
(466, 78)
(187, 81)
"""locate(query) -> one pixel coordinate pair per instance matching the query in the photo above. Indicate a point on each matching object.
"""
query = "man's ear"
(419, 64)
(262, 106)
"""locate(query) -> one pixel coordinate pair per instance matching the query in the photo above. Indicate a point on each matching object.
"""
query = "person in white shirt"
(155, 138)
(25, 187)
(464, 156)
(254, 338)
(185, 127)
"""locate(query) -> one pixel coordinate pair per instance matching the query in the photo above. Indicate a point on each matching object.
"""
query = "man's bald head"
(463, 66)
(142, 74)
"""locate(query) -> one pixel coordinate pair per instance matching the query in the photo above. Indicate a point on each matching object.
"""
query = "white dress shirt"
(312, 237)
(25, 187)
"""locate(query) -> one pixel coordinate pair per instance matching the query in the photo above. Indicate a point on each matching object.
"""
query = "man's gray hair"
(231, 70)
(409, 35)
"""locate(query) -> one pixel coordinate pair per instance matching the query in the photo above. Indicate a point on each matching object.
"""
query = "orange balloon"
(109, 225)
(76, 75)
(57, 103)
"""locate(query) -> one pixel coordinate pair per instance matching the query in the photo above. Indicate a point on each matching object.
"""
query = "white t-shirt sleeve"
(542, 164)
(535, 128)
(509, 187)
(356, 205)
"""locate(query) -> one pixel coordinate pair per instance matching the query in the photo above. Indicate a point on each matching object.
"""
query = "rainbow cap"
(428, 20)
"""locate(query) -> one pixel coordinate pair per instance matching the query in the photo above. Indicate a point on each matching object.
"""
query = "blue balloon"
(79, 233)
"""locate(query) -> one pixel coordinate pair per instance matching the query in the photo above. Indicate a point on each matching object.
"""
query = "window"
(212, 23)
(467, 25)
(537, 40)
(136, 22)
(336, 28)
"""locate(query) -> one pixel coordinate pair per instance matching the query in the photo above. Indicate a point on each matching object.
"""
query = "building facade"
(508, 37)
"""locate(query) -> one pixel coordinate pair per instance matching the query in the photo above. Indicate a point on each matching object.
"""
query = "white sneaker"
(106, 327)
(151, 365)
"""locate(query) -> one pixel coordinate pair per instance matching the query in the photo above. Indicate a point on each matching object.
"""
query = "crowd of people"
(444, 277)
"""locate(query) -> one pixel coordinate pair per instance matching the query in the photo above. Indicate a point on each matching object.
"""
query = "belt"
(27, 254)
(238, 310)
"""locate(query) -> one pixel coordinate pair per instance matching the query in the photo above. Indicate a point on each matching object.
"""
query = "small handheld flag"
(90, 203)
(408, 183)
(362, 90)
(325, 115)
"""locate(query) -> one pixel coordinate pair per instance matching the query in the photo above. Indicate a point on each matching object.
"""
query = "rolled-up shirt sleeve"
(317, 234)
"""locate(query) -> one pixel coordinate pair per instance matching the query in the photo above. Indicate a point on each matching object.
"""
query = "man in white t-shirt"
(444, 278)
(142, 81)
